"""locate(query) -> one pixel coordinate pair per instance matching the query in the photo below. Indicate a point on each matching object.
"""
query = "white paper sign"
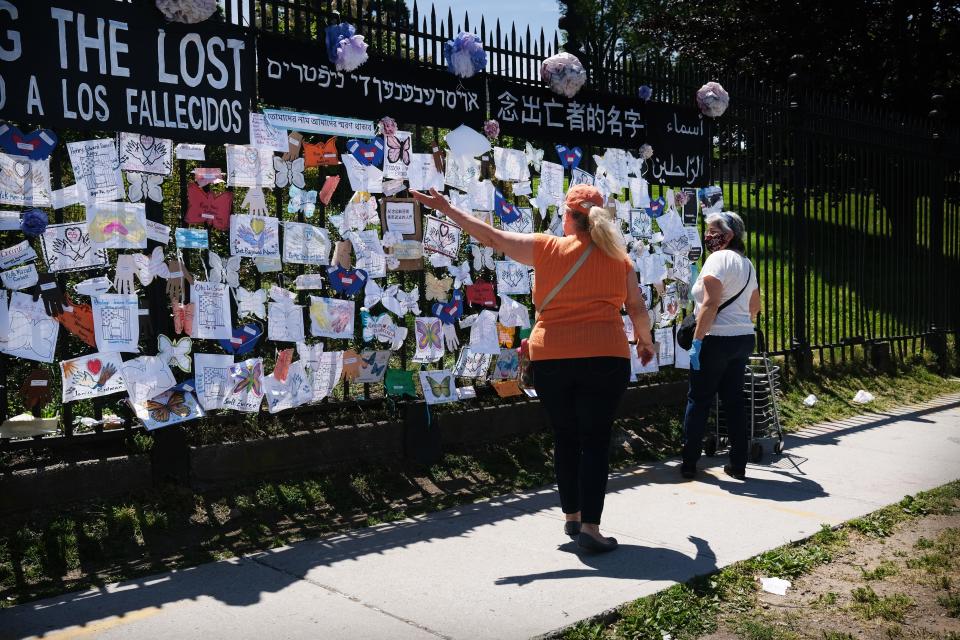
(96, 169)
(24, 182)
(305, 244)
(249, 166)
(400, 216)
(254, 236)
(20, 278)
(116, 322)
(90, 376)
(264, 135)
(145, 154)
(190, 151)
(68, 247)
(212, 376)
(212, 316)
(65, 197)
(32, 334)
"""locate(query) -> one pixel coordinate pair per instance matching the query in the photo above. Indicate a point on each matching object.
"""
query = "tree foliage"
(893, 53)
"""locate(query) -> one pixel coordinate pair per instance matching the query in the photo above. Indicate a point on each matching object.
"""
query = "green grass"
(732, 592)
(884, 570)
(868, 605)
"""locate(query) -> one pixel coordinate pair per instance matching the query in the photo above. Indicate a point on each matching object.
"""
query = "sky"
(535, 13)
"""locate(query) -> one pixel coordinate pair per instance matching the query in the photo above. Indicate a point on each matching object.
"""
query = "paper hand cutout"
(177, 276)
(294, 142)
(123, 275)
(36, 389)
(450, 339)
(53, 297)
(78, 320)
(255, 202)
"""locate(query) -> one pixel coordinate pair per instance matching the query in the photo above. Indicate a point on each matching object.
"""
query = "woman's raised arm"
(516, 246)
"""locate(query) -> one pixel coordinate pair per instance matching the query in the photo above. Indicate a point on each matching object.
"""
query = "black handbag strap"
(747, 284)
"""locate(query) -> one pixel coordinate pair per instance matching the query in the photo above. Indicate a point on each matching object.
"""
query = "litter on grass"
(863, 397)
(776, 586)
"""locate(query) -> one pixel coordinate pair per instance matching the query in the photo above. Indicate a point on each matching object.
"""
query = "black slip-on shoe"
(739, 475)
(688, 473)
(571, 528)
(588, 542)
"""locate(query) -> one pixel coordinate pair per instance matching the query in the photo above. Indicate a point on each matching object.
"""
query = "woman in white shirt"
(723, 341)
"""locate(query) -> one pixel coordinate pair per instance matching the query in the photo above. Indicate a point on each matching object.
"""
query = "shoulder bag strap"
(731, 300)
(573, 270)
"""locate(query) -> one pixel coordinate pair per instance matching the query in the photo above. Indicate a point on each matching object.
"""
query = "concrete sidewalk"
(503, 569)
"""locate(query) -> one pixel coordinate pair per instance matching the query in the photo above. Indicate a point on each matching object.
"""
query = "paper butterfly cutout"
(398, 150)
(450, 312)
(288, 172)
(380, 327)
(321, 155)
(144, 185)
(461, 274)
(481, 293)
(37, 145)
(438, 288)
(534, 156)
(220, 272)
(251, 302)
(244, 339)
(367, 154)
(347, 281)
(482, 257)
(372, 293)
(212, 209)
(248, 378)
(183, 317)
(175, 353)
(330, 184)
(401, 302)
(506, 211)
(311, 354)
(569, 156)
(301, 200)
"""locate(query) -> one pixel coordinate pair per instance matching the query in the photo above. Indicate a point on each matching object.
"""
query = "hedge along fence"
(758, 161)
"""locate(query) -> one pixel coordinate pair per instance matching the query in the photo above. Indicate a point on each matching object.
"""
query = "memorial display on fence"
(299, 264)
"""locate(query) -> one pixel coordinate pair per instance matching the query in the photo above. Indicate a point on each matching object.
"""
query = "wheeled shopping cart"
(761, 386)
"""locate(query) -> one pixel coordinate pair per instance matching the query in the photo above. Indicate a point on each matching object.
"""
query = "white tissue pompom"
(563, 73)
(351, 53)
(712, 99)
(187, 11)
(462, 64)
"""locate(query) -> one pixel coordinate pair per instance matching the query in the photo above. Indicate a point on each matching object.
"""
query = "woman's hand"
(645, 352)
(435, 200)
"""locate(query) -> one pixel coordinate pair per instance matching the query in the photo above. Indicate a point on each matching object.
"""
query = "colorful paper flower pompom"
(563, 73)
(646, 152)
(388, 126)
(712, 99)
(491, 128)
(34, 222)
(645, 92)
(187, 11)
(346, 50)
(465, 55)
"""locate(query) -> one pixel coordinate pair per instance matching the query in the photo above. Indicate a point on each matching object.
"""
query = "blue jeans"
(722, 362)
(581, 396)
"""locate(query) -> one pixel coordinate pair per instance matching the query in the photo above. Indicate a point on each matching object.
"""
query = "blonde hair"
(604, 230)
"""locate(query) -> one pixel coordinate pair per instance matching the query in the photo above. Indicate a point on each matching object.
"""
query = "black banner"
(298, 75)
(117, 66)
(677, 134)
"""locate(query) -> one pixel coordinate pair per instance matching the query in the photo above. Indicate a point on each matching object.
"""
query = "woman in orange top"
(580, 353)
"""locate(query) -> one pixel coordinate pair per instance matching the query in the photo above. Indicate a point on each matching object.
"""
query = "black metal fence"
(853, 213)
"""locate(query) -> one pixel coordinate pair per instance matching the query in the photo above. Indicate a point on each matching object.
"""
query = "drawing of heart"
(22, 169)
(257, 225)
(251, 156)
(93, 366)
(146, 142)
(73, 234)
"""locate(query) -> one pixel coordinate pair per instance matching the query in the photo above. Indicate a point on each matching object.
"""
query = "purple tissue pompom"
(187, 11)
(492, 129)
(336, 33)
(34, 222)
(465, 55)
(645, 92)
(388, 126)
(563, 73)
(712, 99)
(351, 53)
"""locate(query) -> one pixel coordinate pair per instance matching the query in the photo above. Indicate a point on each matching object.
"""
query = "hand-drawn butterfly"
(428, 335)
(248, 378)
(398, 150)
(175, 404)
(441, 388)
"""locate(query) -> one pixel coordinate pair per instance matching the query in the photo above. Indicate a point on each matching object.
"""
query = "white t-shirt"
(731, 269)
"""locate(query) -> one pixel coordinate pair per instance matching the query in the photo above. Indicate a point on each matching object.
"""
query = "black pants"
(722, 362)
(581, 396)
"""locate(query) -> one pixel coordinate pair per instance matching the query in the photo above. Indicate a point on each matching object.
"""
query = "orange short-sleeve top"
(583, 320)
